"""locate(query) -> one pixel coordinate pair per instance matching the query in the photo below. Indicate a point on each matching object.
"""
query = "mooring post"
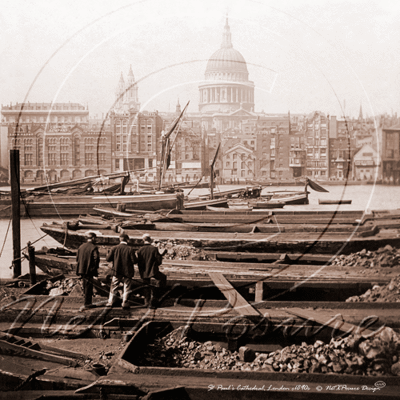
(15, 207)
(32, 267)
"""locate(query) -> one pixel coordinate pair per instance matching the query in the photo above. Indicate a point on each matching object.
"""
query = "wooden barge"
(232, 303)
(261, 238)
(268, 327)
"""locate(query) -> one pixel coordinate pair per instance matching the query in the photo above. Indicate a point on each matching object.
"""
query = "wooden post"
(32, 267)
(259, 291)
(15, 207)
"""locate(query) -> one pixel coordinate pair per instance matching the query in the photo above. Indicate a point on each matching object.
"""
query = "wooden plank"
(8, 337)
(239, 304)
(13, 349)
(259, 291)
(324, 319)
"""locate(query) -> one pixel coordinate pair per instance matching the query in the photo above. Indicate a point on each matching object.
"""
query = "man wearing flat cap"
(123, 258)
(88, 260)
(149, 260)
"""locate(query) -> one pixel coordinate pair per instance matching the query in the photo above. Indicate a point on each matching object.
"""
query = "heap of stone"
(63, 287)
(389, 293)
(384, 257)
(176, 251)
(351, 355)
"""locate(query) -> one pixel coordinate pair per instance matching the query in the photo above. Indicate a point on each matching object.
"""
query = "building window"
(228, 164)
(52, 159)
(150, 163)
(242, 174)
(242, 165)
(116, 164)
(118, 148)
(64, 159)
(40, 152)
(28, 159)
(235, 164)
(234, 156)
(89, 159)
(102, 159)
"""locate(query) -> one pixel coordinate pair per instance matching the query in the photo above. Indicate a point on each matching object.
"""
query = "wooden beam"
(326, 319)
(17, 350)
(236, 300)
(259, 291)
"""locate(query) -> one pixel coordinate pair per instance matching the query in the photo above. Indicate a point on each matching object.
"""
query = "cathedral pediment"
(241, 113)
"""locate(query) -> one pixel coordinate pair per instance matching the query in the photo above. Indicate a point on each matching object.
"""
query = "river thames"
(364, 197)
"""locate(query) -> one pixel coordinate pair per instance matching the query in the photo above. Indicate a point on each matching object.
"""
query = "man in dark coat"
(149, 260)
(88, 260)
(123, 258)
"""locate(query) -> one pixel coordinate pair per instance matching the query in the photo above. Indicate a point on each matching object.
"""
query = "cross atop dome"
(226, 36)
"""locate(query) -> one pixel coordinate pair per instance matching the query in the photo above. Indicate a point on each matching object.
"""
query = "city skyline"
(301, 56)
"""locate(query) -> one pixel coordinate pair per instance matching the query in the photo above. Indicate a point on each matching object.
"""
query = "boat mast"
(166, 147)
(212, 172)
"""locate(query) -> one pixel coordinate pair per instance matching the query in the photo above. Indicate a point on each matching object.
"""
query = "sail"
(314, 186)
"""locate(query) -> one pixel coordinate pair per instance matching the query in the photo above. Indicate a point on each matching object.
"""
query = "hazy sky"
(301, 55)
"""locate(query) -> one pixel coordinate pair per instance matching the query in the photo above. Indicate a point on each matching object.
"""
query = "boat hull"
(203, 204)
(334, 201)
(70, 206)
(278, 239)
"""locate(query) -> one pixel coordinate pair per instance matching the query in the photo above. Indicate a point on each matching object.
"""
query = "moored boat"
(68, 199)
(263, 234)
(340, 201)
(202, 204)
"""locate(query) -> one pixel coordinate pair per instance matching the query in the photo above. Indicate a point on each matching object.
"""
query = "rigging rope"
(5, 237)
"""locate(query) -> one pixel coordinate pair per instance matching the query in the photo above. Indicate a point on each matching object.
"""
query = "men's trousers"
(116, 280)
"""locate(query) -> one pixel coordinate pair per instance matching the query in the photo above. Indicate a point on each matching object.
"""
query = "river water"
(364, 197)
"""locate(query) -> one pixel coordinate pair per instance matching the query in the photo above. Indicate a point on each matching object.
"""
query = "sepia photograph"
(200, 199)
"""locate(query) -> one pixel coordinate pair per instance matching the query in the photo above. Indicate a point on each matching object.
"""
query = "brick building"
(56, 141)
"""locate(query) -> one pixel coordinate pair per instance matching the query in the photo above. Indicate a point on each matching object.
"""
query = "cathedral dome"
(226, 60)
(227, 63)
(226, 87)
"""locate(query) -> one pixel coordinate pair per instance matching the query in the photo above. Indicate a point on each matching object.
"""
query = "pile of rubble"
(352, 355)
(174, 251)
(64, 287)
(385, 257)
(389, 293)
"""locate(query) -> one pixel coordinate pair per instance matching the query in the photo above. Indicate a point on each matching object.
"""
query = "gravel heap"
(176, 251)
(389, 293)
(385, 257)
(352, 355)
(61, 287)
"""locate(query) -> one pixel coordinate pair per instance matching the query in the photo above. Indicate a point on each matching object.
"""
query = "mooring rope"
(5, 237)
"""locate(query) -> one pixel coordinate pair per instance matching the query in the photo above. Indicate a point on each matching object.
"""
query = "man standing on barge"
(88, 261)
(123, 258)
(149, 260)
